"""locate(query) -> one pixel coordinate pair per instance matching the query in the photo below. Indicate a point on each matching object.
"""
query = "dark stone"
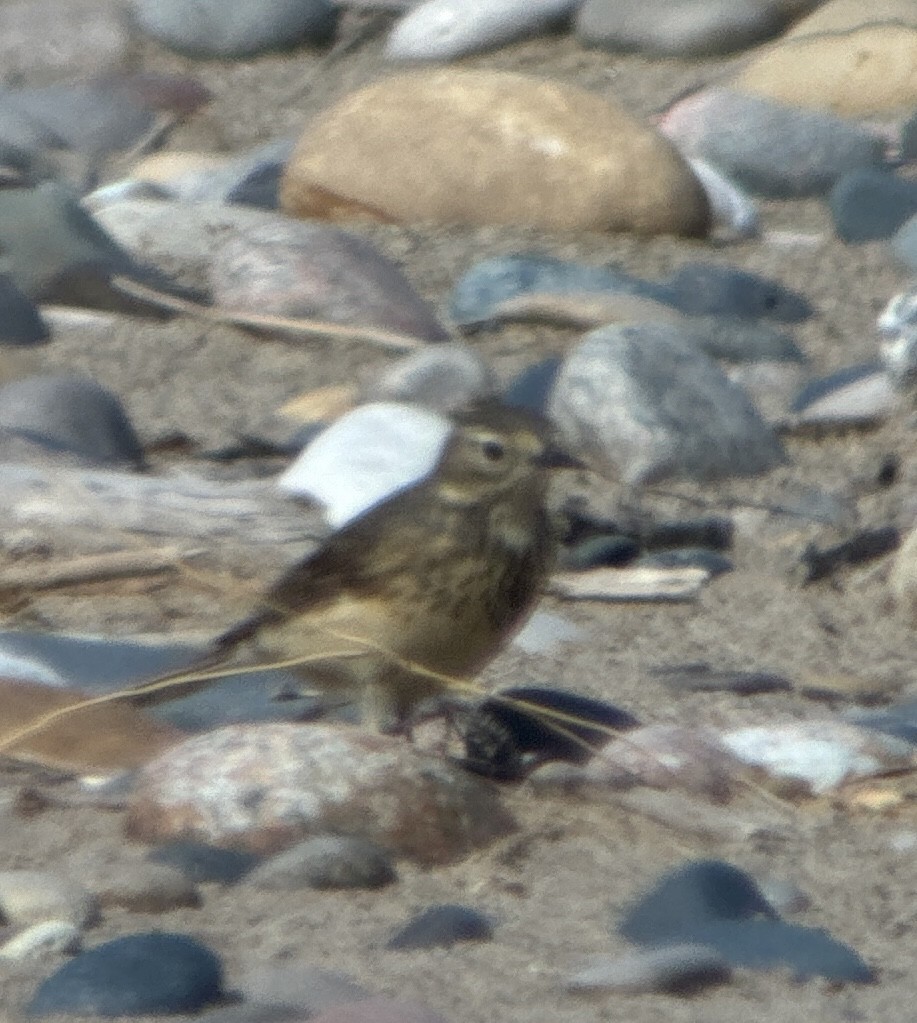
(205, 863)
(516, 729)
(690, 896)
(71, 415)
(864, 545)
(741, 340)
(701, 678)
(775, 944)
(259, 188)
(20, 321)
(137, 975)
(699, 289)
(870, 204)
(602, 549)
(530, 388)
(442, 926)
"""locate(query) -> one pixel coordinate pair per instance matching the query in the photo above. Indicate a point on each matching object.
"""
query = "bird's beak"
(554, 457)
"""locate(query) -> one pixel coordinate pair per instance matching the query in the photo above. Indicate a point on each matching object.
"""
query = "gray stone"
(646, 405)
(770, 148)
(144, 887)
(326, 861)
(683, 28)
(213, 28)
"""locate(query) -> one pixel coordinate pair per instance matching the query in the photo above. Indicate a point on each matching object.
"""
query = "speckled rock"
(533, 152)
(263, 787)
(647, 405)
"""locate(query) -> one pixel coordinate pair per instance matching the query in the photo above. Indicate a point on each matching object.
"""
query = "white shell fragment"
(365, 457)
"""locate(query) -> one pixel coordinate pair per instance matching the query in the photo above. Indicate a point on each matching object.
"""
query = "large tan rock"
(856, 73)
(489, 147)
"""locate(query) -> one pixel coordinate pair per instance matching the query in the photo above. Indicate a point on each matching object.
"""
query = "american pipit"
(431, 582)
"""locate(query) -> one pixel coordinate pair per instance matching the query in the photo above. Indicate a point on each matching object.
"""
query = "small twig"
(91, 568)
(288, 324)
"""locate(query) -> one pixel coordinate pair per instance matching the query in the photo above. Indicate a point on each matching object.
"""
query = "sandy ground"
(574, 865)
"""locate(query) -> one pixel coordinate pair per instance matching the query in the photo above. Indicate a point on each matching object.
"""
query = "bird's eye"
(493, 450)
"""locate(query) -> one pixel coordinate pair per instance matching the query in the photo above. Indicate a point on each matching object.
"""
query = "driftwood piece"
(85, 510)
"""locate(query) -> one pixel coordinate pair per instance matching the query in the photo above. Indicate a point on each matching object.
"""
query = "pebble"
(815, 756)
(444, 378)
(442, 927)
(316, 271)
(326, 861)
(513, 731)
(143, 887)
(856, 72)
(645, 405)
(34, 896)
(862, 546)
(20, 320)
(44, 40)
(70, 415)
(447, 29)
(311, 781)
(675, 969)
(211, 28)
(681, 28)
(708, 289)
(581, 162)
(870, 204)
(365, 457)
(855, 396)
(202, 863)
(135, 975)
(771, 148)
(42, 941)
(380, 1010)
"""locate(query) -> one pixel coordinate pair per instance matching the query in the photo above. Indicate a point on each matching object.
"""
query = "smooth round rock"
(70, 415)
(140, 974)
(446, 29)
(867, 205)
(531, 388)
(682, 28)
(708, 289)
(532, 151)
(858, 73)
(213, 28)
(690, 895)
(647, 405)
(33, 896)
(144, 887)
(444, 378)
(200, 862)
(771, 148)
(326, 861)
(441, 927)
(674, 969)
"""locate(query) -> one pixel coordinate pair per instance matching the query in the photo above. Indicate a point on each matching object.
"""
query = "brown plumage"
(438, 576)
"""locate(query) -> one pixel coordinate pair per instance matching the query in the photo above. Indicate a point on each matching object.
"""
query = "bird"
(420, 590)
